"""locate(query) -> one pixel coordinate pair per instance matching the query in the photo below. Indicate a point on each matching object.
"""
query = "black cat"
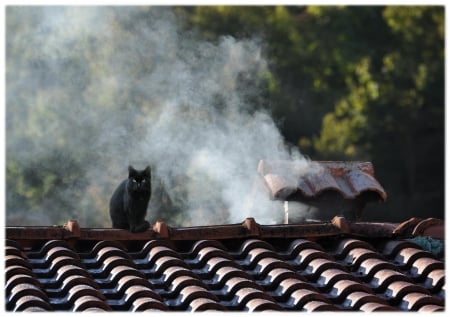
(129, 202)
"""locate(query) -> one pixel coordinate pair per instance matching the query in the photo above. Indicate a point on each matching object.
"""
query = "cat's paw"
(142, 227)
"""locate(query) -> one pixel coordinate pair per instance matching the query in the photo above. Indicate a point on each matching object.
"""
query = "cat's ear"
(148, 171)
(131, 171)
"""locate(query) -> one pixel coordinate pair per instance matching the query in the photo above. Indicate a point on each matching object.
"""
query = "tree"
(393, 112)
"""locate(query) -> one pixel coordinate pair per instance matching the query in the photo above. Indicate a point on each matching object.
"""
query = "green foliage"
(387, 112)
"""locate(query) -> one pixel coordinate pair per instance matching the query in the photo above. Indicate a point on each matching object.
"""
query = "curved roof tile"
(311, 179)
(262, 270)
(30, 303)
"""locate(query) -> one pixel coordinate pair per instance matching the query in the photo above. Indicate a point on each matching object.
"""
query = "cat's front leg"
(141, 227)
(138, 223)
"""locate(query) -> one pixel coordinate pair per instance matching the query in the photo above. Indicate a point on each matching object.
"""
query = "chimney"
(320, 190)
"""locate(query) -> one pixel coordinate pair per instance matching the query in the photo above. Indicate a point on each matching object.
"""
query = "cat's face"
(139, 181)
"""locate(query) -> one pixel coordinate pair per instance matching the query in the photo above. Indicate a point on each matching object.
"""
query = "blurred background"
(201, 93)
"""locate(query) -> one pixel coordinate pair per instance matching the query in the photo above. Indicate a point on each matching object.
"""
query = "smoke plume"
(91, 90)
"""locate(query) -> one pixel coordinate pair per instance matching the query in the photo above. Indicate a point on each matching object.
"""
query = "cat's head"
(139, 180)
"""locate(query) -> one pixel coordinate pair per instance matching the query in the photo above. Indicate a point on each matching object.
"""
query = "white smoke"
(104, 87)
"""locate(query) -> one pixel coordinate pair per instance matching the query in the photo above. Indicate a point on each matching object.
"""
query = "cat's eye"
(143, 180)
(134, 181)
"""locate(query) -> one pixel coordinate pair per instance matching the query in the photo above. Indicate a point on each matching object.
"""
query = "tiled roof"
(337, 265)
(350, 179)
(326, 188)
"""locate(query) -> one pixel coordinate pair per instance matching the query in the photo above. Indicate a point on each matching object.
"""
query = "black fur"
(129, 202)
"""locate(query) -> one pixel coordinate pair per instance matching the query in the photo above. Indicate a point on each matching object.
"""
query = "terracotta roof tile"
(24, 290)
(85, 303)
(13, 270)
(407, 256)
(357, 256)
(171, 274)
(287, 286)
(266, 265)
(227, 272)
(188, 294)
(376, 307)
(430, 308)
(212, 265)
(302, 297)
(414, 301)
(278, 274)
(435, 280)
(287, 180)
(14, 260)
(398, 289)
(392, 247)
(349, 250)
(343, 288)
(259, 271)
(385, 277)
(316, 306)
(317, 266)
(260, 304)
(422, 267)
(145, 304)
(348, 178)
(371, 266)
(359, 298)
(244, 294)
(305, 256)
(205, 304)
(330, 277)
(29, 303)
(19, 279)
(205, 254)
(430, 227)
(233, 284)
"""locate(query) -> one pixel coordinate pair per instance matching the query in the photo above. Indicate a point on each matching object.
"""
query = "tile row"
(343, 274)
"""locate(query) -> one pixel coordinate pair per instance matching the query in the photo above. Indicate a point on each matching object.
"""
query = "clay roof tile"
(268, 268)
(290, 180)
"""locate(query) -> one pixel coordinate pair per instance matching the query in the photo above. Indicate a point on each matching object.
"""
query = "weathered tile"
(255, 272)
(414, 301)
